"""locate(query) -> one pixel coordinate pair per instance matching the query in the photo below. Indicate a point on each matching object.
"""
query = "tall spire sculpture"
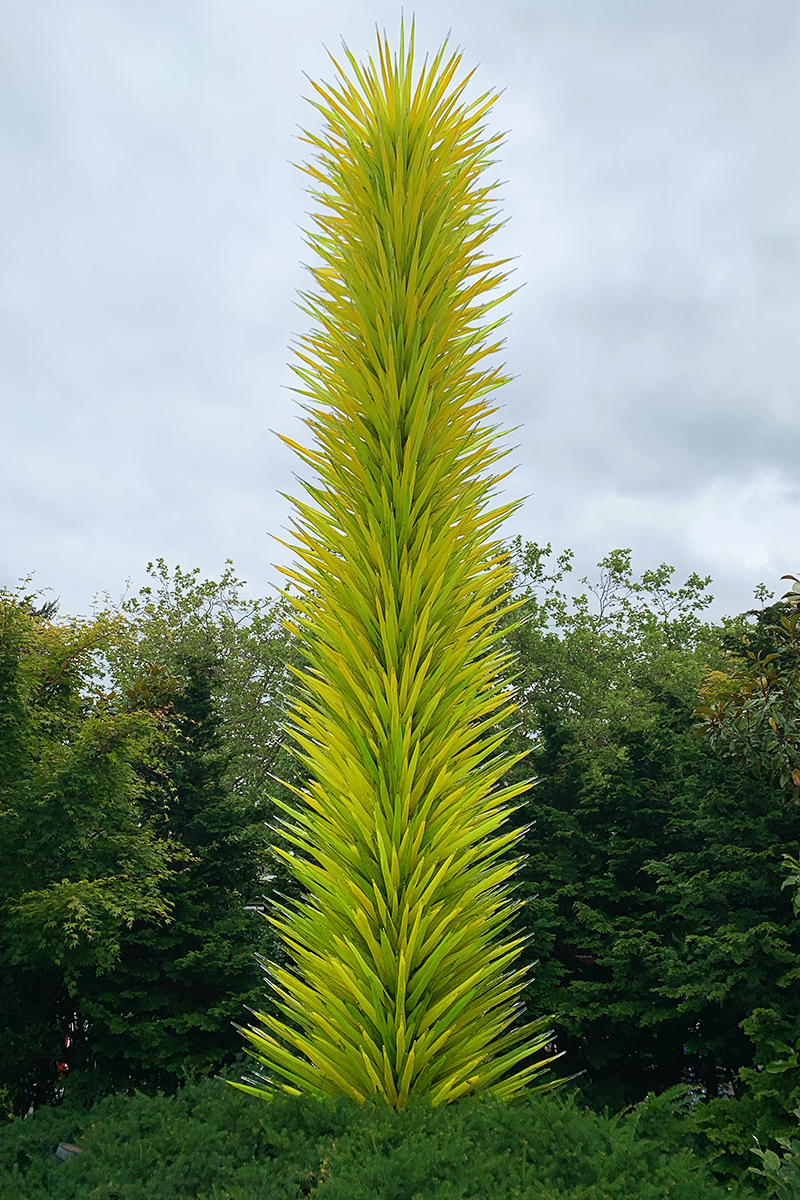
(401, 983)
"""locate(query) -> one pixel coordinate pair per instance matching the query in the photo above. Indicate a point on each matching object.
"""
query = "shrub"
(783, 1173)
(209, 1143)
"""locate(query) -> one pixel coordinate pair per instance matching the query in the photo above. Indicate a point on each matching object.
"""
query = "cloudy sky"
(151, 247)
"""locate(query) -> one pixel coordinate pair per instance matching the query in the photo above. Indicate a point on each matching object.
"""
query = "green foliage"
(751, 710)
(774, 1089)
(77, 864)
(652, 878)
(133, 834)
(649, 853)
(782, 1171)
(657, 909)
(548, 1148)
(165, 1010)
(180, 618)
(598, 665)
(750, 714)
(78, 861)
(207, 1143)
(204, 1143)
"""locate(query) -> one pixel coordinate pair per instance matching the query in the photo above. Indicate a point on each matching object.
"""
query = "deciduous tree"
(78, 864)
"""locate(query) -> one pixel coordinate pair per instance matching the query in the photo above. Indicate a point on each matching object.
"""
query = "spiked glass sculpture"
(401, 984)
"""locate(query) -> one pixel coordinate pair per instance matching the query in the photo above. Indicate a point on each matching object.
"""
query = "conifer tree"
(402, 985)
(178, 985)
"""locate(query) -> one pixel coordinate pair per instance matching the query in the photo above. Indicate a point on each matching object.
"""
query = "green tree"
(78, 863)
(750, 714)
(164, 1011)
(180, 618)
(403, 987)
(751, 708)
(651, 868)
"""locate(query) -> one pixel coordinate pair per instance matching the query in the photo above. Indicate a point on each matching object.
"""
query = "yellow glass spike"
(401, 982)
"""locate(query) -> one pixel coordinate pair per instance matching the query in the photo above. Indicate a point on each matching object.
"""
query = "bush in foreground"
(210, 1143)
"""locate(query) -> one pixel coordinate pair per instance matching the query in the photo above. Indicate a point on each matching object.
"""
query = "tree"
(402, 987)
(180, 618)
(78, 863)
(750, 715)
(114, 762)
(751, 709)
(164, 1011)
(651, 869)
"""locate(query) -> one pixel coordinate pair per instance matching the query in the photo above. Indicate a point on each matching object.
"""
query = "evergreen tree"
(165, 1011)
(655, 894)
(652, 874)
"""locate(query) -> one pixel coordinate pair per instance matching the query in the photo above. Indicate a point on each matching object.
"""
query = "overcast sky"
(151, 247)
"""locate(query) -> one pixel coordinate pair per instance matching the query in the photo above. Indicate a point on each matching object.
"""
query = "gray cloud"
(151, 248)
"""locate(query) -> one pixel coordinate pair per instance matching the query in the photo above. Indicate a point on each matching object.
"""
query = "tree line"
(141, 750)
